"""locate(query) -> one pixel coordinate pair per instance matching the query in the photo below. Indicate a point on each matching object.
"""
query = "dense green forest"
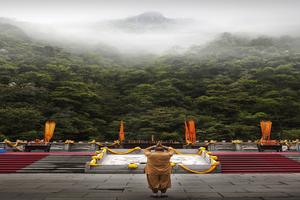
(227, 86)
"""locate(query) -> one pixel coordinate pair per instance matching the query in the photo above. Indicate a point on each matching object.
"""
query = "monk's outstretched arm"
(169, 149)
(147, 151)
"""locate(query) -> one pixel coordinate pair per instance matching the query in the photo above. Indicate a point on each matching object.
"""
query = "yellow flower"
(214, 157)
(93, 162)
(132, 165)
(236, 141)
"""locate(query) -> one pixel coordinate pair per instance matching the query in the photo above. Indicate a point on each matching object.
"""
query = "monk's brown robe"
(158, 169)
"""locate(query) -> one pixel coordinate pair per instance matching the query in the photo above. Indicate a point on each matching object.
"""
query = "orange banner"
(192, 130)
(187, 133)
(266, 129)
(121, 132)
(49, 130)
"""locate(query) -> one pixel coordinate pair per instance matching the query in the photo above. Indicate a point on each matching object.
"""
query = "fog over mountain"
(150, 32)
(150, 22)
(132, 26)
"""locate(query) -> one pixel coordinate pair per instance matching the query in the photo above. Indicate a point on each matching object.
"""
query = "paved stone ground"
(125, 186)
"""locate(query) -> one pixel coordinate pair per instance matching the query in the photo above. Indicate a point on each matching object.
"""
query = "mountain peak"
(149, 17)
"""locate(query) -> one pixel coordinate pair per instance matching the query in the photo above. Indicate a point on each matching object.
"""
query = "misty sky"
(215, 10)
(270, 17)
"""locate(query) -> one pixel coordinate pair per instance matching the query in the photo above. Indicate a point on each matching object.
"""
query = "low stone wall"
(215, 146)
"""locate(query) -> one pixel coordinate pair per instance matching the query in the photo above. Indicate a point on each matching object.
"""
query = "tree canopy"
(227, 86)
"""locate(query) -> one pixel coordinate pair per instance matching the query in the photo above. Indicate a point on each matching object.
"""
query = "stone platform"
(115, 163)
(134, 187)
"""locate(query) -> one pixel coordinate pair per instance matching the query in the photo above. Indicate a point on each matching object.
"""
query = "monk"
(158, 168)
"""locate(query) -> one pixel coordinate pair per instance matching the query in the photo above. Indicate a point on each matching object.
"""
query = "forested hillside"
(227, 86)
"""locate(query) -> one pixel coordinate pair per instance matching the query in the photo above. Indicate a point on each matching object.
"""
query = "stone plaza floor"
(128, 186)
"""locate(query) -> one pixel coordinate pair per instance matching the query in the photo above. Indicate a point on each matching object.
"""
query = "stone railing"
(235, 145)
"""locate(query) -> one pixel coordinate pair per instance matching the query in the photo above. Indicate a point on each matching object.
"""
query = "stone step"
(58, 164)
(258, 163)
(67, 170)
(295, 157)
